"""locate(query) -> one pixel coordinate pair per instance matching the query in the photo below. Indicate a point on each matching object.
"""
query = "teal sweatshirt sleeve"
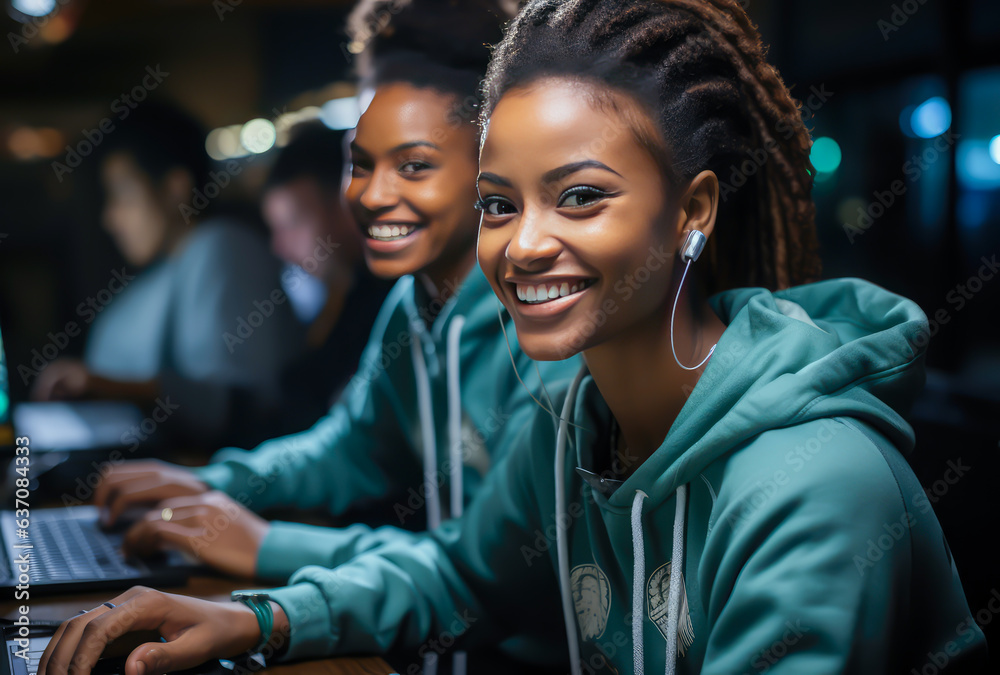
(291, 546)
(801, 575)
(482, 579)
(357, 451)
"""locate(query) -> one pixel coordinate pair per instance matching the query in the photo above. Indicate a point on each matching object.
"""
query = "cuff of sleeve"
(289, 547)
(311, 633)
(215, 476)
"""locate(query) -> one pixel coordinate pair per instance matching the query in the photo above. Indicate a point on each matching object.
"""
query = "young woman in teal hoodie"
(726, 491)
(435, 396)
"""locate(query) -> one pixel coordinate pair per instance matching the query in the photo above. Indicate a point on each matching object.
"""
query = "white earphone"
(694, 244)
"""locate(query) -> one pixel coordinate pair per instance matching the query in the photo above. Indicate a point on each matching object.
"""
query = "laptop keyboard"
(67, 548)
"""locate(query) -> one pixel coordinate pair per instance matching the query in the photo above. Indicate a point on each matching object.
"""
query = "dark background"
(871, 62)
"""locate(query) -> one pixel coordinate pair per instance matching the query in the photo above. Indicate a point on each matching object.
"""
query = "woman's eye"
(413, 167)
(581, 196)
(496, 206)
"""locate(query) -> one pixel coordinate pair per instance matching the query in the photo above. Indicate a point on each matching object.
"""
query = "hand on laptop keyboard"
(143, 483)
(213, 527)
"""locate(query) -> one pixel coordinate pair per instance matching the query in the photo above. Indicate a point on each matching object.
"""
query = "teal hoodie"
(422, 421)
(803, 539)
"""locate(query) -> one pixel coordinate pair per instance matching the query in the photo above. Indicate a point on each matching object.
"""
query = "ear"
(177, 187)
(699, 204)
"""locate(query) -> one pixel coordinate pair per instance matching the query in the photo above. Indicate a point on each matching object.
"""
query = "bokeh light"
(931, 118)
(825, 155)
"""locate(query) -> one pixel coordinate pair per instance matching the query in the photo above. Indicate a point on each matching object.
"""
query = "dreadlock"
(698, 67)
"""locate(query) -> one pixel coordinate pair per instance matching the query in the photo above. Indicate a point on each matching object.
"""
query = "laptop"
(63, 549)
(68, 438)
(65, 425)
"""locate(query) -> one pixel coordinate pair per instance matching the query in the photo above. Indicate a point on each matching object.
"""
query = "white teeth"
(390, 232)
(543, 293)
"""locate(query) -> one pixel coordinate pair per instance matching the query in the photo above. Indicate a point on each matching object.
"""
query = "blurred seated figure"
(327, 280)
(202, 328)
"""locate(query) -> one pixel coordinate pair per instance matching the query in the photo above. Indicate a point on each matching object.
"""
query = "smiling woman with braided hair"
(726, 490)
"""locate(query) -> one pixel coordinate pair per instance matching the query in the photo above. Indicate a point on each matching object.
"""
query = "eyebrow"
(569, 169)
(415, 144)
(493, 178)
(555, 174)
(402, 146)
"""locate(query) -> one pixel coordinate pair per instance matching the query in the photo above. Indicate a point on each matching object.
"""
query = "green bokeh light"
(825, 154)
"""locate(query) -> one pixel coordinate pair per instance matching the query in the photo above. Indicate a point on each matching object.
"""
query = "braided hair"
(437, 44)
(698, 68)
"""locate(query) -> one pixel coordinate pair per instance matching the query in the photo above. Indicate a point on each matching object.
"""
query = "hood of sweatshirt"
(835, 348)
(842, 348)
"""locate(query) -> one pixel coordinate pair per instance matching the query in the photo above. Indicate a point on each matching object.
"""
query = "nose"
(533, 247)
(378, 192)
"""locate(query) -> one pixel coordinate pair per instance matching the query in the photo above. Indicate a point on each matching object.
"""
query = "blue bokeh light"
(931, 118)
(34, 7)
(995, 149)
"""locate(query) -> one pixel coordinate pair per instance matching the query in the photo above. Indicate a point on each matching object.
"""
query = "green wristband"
(260, 603)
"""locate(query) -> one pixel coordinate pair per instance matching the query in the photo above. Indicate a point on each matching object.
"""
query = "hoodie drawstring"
(455, 414)
(638, 579)
(426, 432)
(429, 440)
(562, 552)
(458, 660)
(675, 592)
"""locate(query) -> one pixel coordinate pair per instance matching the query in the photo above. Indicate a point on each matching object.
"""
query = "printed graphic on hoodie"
(657, 592)
(592, 599)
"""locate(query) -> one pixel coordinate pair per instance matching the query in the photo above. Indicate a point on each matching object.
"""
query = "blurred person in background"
(180, 330)
(326, 279)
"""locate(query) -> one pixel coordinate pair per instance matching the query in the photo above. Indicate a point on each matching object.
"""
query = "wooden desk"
(59, 607)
